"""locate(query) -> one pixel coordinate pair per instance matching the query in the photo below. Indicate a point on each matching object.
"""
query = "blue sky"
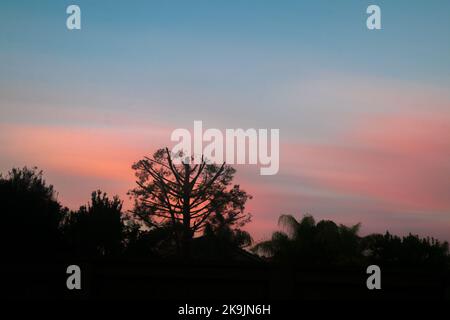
(226, 52)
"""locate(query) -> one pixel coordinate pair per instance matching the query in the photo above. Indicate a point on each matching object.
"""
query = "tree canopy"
(31, 215)
(176, 204)
(187, 196)
(307, 243)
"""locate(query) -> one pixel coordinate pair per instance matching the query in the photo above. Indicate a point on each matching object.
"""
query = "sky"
(364, 116)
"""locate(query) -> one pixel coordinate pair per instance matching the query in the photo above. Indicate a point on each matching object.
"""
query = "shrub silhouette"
(97, 229)
(31, 217)
(410, 251)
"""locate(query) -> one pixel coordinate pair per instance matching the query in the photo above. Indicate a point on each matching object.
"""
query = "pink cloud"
(400, 160)
(76, 155)
(392, 167)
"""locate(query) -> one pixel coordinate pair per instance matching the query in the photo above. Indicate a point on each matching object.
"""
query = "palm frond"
(289, 223)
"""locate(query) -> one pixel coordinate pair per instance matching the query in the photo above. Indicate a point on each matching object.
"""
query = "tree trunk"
(187, 234)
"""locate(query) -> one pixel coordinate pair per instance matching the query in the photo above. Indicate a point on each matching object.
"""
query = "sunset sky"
(364, 116)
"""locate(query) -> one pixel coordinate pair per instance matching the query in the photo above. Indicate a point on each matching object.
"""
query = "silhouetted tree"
(155, 243)
(410, 251)
(186, 196)
(31, 216)
(308, 243)
(325, 243)
(98, 229)
(235, 237)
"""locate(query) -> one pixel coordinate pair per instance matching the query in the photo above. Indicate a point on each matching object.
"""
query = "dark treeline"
(190, 212)
(324, 243)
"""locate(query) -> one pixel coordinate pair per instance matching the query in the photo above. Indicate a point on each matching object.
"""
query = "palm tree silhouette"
(306, 242)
